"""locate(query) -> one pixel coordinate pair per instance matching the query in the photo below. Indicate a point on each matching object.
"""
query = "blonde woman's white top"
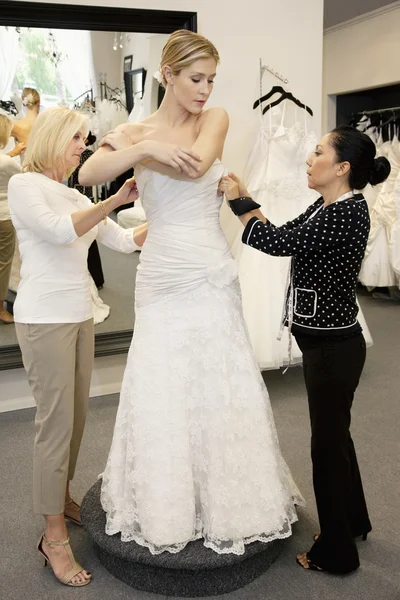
(55, 285)
(8, 168)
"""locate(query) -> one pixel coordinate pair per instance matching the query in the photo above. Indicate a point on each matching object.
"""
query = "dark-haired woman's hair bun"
(380, 170)
(359, 150)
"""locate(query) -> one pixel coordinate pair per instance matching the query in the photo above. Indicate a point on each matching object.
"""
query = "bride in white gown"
(195, 452)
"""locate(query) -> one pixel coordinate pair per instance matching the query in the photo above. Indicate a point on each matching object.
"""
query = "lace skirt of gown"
(195, 452)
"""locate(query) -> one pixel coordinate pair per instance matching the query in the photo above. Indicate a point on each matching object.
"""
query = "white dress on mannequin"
(195, 452)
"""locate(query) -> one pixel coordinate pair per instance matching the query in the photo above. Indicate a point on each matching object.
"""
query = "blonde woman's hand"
(116, 139)
(127, 193)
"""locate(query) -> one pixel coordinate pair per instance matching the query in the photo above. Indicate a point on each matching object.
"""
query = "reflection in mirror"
(112, 78)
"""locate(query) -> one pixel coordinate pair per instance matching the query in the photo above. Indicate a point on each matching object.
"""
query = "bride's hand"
(116, 139)
(181, 159)
(127, 193)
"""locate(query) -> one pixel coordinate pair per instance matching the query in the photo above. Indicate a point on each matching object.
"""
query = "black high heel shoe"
(310, 565)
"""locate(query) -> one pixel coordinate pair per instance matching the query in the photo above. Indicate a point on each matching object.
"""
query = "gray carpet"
(375, 430)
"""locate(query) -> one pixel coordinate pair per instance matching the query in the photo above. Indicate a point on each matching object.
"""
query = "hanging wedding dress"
(371, 192)
(195, 452)
(109, 115)
(377, 269)
(394, 244)
(137, 113)
(275, 176)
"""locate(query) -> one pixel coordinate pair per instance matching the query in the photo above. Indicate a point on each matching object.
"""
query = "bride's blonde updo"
(30, 97)
(182, 49)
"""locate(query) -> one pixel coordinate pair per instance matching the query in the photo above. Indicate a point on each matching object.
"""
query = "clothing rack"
(264, 68)
(112, 94)
(377, 111)
(87, 101)
(86, 94)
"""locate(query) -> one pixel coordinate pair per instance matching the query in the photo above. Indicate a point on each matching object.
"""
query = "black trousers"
(94, 264)
(332, 369)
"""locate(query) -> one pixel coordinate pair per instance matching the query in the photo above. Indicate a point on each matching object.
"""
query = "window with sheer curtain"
(57, 63)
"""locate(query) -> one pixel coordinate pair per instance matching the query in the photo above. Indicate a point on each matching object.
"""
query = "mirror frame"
(90, 18)
(128, 81)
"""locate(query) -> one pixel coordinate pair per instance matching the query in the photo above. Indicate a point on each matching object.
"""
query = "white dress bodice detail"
(185, 245)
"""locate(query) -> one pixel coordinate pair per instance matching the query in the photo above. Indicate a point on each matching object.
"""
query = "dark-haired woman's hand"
(229, 187)
(242, 188)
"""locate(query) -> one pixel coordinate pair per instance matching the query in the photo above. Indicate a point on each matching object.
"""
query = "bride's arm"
(124, 147)
(107, 163)
(209, 145)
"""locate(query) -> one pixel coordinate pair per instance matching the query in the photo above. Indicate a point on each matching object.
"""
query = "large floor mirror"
(104, 61)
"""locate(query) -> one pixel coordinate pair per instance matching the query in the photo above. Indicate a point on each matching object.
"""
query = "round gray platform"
(193, 572)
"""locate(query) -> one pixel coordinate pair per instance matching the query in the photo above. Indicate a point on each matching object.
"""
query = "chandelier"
(121, 39)
(51, 50)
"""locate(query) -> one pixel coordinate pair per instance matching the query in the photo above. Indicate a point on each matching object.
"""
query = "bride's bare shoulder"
(215, 114)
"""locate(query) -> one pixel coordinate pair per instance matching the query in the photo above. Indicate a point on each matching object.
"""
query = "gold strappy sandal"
(75, 569)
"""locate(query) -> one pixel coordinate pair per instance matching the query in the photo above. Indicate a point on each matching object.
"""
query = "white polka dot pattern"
(327, 250)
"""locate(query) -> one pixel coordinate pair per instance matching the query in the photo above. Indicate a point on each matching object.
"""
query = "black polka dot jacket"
(327, 246)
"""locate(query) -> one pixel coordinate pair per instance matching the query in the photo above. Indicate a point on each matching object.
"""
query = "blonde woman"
(53, 313)
(22, 128)
(195, 452)
(8, 168)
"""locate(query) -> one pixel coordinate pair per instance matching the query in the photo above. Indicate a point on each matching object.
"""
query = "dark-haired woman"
(327, 244)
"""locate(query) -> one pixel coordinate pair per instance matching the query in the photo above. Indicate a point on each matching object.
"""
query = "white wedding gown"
(195, 452)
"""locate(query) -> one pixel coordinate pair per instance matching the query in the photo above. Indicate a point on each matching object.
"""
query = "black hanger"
(376, 121)
(288, 96)
(275, 90)
(394, 117)
(356, 119)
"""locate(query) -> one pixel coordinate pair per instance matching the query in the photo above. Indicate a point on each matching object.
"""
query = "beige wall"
(105, 59)
(360, 55)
